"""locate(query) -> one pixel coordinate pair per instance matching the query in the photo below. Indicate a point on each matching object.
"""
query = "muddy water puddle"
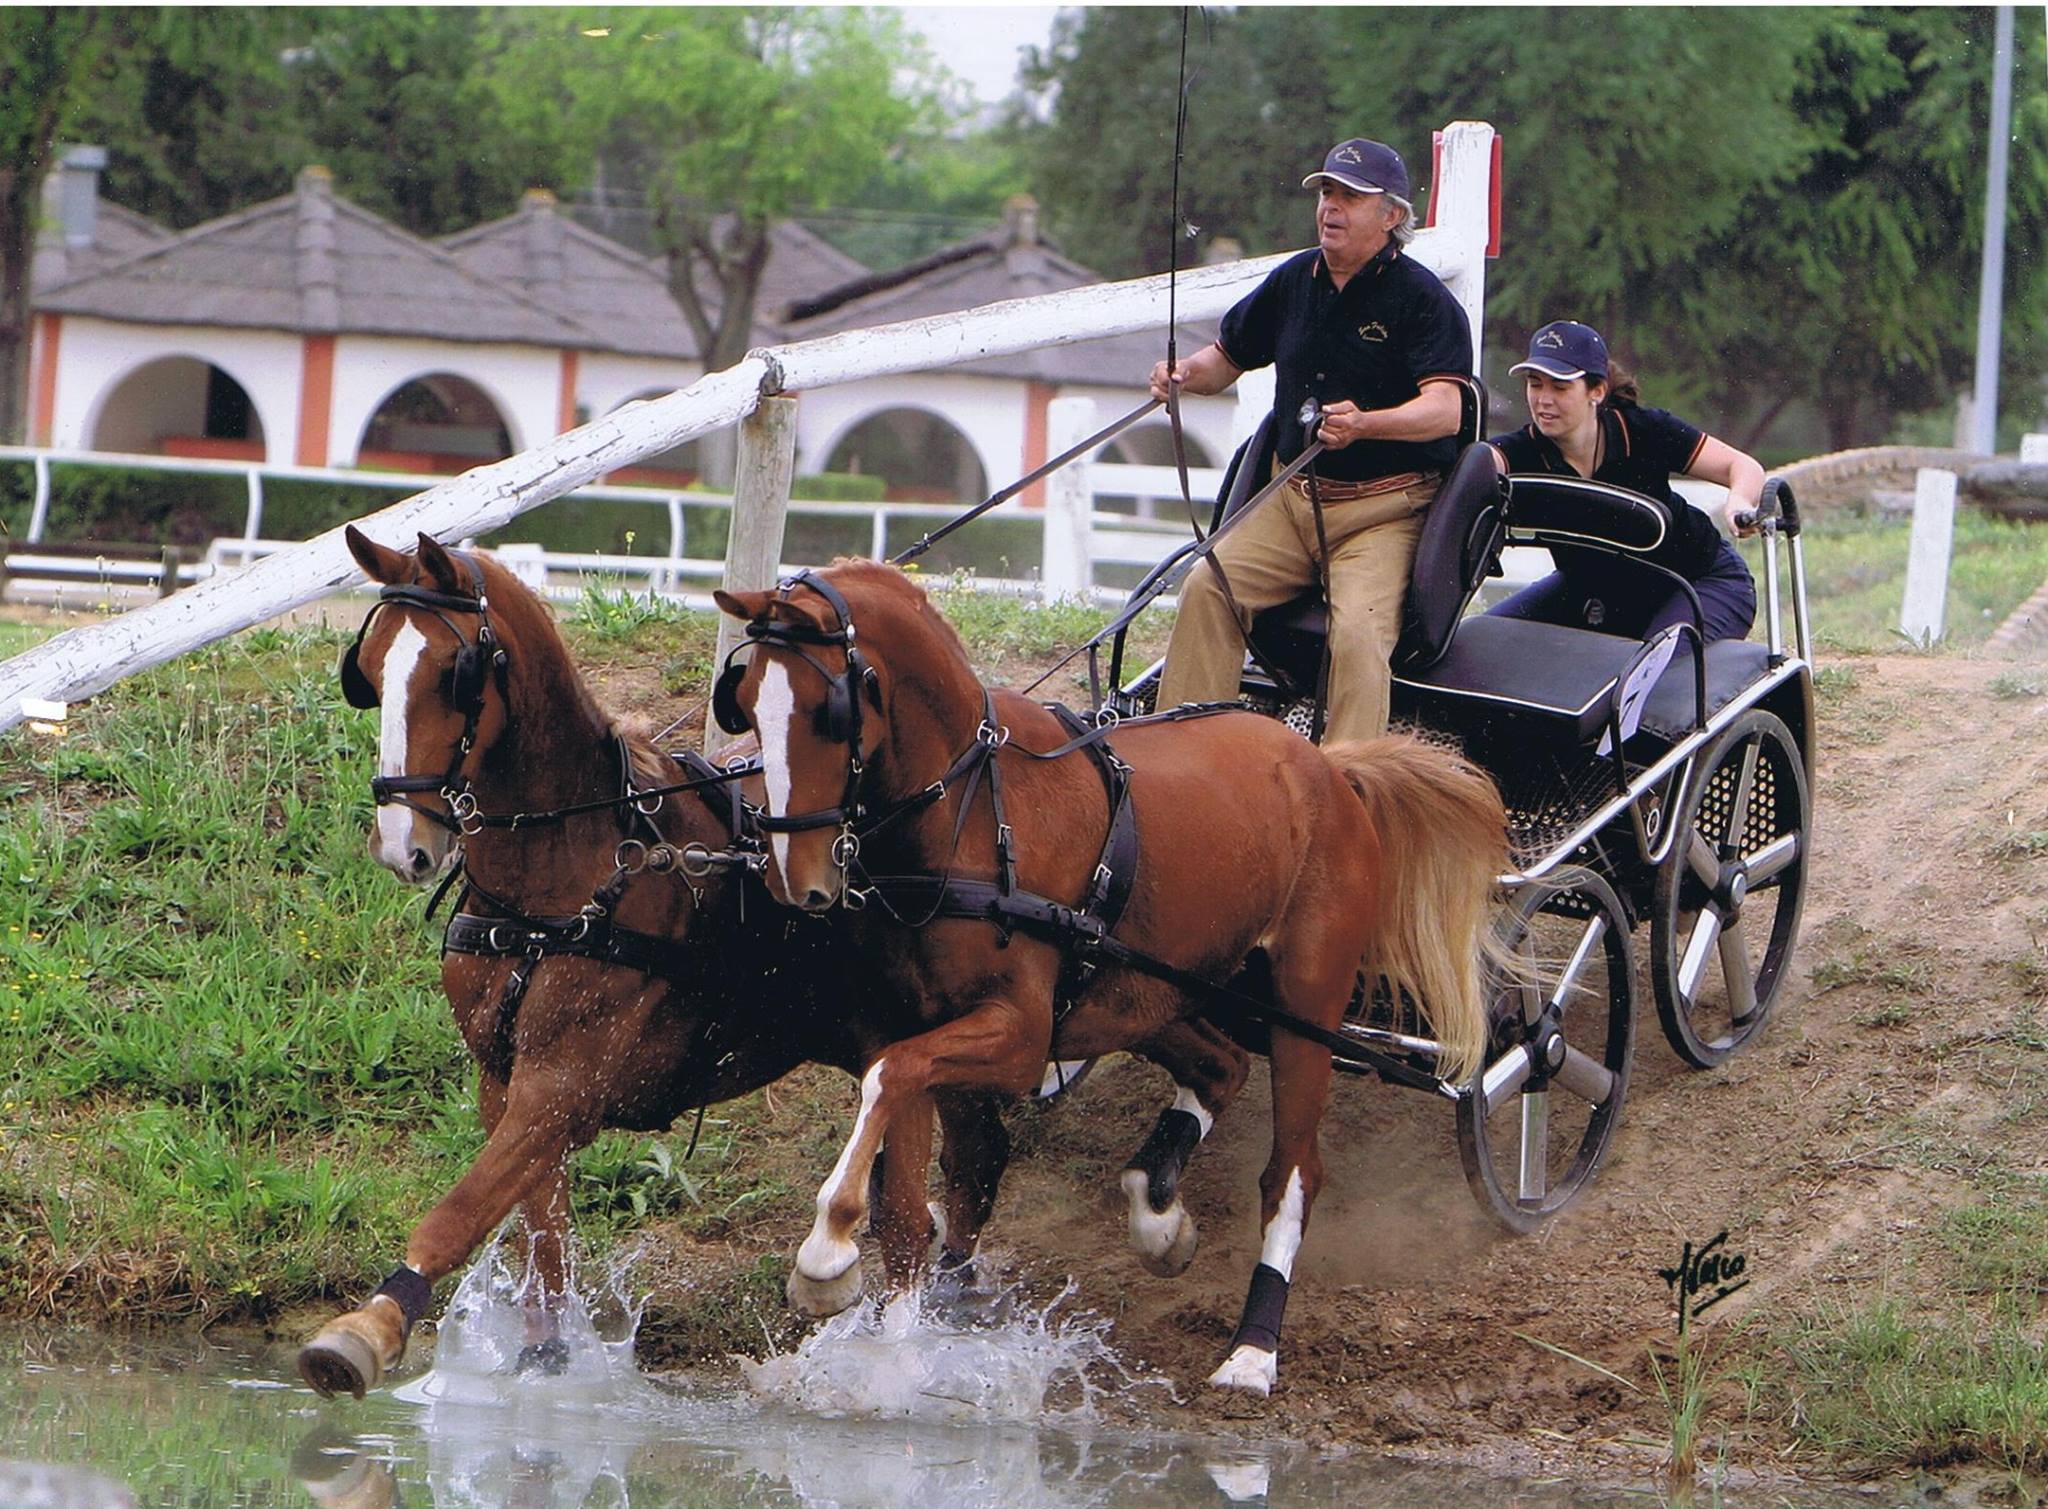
(984, 1402)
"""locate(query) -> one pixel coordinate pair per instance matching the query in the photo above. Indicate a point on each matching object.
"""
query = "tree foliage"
(730, 117)
(1757, 205)
(47, 55)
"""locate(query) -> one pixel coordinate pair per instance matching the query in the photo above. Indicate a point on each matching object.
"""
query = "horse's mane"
(897, 584)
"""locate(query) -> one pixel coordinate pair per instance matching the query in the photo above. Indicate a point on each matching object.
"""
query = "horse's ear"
(440, 566)
(745, 606)
(380, 563)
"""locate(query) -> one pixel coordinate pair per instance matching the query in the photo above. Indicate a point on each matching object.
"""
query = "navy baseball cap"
(1369, 167)
(1565, 349)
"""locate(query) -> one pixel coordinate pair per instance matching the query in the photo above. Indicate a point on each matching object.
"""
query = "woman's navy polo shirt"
(1391, 325)
(1641, 450)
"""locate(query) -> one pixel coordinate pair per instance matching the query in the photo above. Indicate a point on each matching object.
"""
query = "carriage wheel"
(1535, 1125)
(1728, 898)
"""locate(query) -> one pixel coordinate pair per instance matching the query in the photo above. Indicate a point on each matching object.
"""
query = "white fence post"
(1924, 614)
(1461, 200)
(760, 505)
(2034, 450)
(1066, 566)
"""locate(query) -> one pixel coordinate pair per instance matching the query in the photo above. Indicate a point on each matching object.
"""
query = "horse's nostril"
(816, 900)
(421, 862)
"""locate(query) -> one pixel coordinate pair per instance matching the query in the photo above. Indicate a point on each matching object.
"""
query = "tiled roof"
(620, 297)
(1011, 262)
(312, 263)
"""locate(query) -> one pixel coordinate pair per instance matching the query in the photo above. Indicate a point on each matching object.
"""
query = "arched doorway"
(439, 423)
(920, 457)
(1149, 445)
(180, 406)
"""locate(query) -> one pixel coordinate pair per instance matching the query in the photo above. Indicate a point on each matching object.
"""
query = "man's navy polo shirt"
(1393, 324)
(1640, 449)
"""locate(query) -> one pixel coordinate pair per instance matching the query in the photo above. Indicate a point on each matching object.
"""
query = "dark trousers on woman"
(1639, 603)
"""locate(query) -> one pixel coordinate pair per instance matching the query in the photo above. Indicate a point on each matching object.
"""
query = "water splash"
(985, 1356)
(483, 1350)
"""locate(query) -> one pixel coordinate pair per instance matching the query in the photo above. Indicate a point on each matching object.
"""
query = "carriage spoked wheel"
(1534, 1127)
(1728, 898)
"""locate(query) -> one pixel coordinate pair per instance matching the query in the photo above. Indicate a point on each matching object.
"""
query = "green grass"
(1890, 1387)
(1856, 576)
(14, 637)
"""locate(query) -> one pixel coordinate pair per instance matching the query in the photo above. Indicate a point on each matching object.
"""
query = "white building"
(309, 331)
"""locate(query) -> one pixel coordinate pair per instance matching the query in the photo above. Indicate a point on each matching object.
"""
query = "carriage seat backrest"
(1548, 510)
(1459, 547)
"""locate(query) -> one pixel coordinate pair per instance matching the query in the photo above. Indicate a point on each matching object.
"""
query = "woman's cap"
(1367, 167)
(1565, 349)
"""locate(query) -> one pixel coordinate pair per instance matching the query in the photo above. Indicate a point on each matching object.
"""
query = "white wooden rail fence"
(82, 661)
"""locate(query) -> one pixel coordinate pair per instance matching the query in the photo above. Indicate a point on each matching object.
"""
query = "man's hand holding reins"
(1207, 371)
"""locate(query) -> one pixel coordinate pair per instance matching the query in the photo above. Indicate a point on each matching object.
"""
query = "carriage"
(1645, 783)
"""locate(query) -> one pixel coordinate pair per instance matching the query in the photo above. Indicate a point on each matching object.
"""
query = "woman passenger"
(1585, 421)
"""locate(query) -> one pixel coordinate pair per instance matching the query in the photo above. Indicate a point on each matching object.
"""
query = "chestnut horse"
(1285, 871)
(483, 714)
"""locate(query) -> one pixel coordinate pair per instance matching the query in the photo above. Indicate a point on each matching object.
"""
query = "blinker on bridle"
(844, 691)
(476, 662)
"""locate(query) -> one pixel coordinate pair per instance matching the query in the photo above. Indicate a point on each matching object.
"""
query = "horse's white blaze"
(1283, 1232)
(824, 1254)
(1185, 1099)
(1248, 1367)
(774, 705)
(394, 695)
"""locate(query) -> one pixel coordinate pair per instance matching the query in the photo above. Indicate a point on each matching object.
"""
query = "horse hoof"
(549, 1358)
(338, 1362)
(1252, 1369)
(1165, 1240)
(820, 1297)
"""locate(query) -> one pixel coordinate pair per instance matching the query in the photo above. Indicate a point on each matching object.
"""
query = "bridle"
(478, 662)
(844, 691)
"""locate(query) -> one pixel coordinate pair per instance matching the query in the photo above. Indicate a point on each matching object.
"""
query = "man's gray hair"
(1403, 233)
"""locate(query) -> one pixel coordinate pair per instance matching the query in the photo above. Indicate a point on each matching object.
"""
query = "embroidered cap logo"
(1349, 153)
(1550, 339)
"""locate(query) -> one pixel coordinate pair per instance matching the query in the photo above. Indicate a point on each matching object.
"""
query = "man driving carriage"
(1379, 343)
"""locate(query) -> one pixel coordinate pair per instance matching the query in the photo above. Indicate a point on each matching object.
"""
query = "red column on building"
(316, 398)
(1038, 397)
(43, 419)
(565, 401)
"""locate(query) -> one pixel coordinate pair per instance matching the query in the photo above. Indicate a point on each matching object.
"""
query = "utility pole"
(1991, 283)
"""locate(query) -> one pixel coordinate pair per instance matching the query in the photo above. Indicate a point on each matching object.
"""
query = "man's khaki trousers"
(1269, 558)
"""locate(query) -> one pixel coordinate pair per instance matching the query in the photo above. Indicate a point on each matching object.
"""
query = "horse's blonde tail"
(1443, 847)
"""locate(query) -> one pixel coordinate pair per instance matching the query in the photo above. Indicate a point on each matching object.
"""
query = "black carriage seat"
(1459, 548)
(1562, 681)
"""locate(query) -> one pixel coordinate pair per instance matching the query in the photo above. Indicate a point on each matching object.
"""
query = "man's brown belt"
(1333, 491)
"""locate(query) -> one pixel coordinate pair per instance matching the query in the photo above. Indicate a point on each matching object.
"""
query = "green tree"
(391, 99)
(1260, 105)
(194, 107)
(47, 56)
(730, 118)
(1860, 281)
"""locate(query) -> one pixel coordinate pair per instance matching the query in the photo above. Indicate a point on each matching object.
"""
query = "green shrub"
(838, 487)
